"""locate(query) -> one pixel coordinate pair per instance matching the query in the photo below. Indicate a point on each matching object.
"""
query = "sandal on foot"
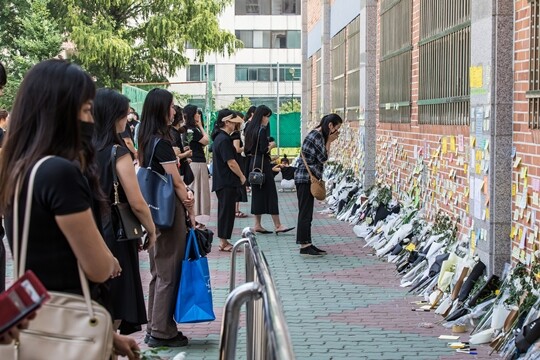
(226, 248)
(240, 214)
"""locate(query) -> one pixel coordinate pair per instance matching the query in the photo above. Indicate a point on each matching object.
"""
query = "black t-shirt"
(59, 189)
(196, 147)
(236, 136)
(287, 173)
(164, 153)
(222, 175)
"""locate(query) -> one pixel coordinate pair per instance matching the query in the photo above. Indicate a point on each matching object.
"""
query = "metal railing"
(267, 332)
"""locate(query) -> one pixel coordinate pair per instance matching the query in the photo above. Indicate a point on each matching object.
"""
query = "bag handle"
(256, 149)
(307, 167)
(115, 176)
(192, 245)
(20, 264)
(156, 141)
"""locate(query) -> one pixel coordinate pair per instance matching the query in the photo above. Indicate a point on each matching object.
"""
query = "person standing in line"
(247, 119)
(63, 232)
(110, 115)
(315, 148)
(241, 160)
(183, 153)
(264, 197)
(167, 255)
(228, 176)
(197, 139)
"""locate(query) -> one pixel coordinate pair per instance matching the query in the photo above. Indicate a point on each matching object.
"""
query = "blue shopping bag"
(194, 301)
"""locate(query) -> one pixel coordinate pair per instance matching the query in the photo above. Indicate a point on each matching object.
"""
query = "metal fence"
(267, 332)
(395, 62)
(533, 94)
(444, 60)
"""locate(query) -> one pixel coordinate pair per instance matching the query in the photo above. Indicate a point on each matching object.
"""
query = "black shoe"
(177, 341)
(310, 251)
(319, 250)
(147, 337)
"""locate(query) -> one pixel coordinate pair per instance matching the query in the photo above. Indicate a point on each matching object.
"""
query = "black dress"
(264, 199)
(126, 291)
(242, 192)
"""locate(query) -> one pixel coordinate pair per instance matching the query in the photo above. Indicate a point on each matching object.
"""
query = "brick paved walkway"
(346, 305)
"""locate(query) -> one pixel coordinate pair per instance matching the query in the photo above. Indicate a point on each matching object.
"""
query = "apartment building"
(267, 67)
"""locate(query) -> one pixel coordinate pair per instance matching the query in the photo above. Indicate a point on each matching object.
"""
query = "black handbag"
(186, 172)
(256, 176)
(158, 191)
(126, 225)
(204, 240)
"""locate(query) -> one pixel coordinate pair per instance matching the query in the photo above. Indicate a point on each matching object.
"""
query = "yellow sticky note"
(476, 77)
(514, 189)
(444, 145)
(466, 192)
(473, 141)
(487, 214)
(410, 247)
(513, 233)
(467, 209)
(478, 169)
(453, 144)
(524, 171)
(517, 162)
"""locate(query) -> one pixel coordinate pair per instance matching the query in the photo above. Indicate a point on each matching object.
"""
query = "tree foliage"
(30, 36)
(241, 104)
(141, 40)
(290, 106)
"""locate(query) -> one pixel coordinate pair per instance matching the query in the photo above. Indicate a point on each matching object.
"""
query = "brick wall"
(427, 162)
(314, 13)
(526, 174)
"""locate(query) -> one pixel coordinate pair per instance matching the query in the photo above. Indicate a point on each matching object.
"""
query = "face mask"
(87, 131)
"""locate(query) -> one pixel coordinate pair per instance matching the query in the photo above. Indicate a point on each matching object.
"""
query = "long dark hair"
(335, 119)
(219, 121)
(252, 128)
(178, 117)
(109, 107)
(189, 114)
(44, 120)
(250, 112)
(154, 119)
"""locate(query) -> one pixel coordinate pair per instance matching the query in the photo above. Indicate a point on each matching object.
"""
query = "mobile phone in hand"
(20, 300)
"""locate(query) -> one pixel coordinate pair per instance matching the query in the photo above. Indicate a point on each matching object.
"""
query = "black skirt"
(264, 198)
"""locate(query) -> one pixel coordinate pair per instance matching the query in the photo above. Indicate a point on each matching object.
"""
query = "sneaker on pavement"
(319, 250)
(177, 341)
(309, 251)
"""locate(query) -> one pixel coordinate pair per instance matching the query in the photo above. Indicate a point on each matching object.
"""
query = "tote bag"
(194, 301)
(67, 326)
(158, 191)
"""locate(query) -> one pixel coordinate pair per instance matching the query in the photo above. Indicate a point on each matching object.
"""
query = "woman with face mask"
(63, 231)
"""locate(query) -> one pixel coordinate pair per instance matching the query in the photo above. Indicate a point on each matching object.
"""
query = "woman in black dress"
(110, 116)
(264, 197)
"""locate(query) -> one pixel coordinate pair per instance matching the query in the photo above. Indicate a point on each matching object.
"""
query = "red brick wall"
(430, 175)
(525, 141)
(314, 13)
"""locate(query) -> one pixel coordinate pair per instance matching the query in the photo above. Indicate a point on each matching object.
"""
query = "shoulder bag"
(68, 326)
(158, 191)
(256, 176)
(318, 187)
(126, 225)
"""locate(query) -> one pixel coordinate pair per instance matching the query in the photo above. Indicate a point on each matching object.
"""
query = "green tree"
(290, 106)
(241, 104)
(141, 40)
(33, 36)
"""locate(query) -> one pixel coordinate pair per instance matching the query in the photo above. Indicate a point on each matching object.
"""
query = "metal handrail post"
(231, 317)
(233, 261)
(250, 277)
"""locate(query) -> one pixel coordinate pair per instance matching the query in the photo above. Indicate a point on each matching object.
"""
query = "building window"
(353, 70)
(337, 86)
(267, 7)
(395, 62)
(198, 72)
(268, 72)
(317, 97)
(533, 94)
(444, 62)
(267, 39)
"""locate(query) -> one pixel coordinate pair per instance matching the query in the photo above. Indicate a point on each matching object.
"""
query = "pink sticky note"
(536, 184)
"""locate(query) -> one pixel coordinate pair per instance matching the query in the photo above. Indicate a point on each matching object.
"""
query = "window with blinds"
(395, 62)
(444, 61)
(533, 95)
(337, 86)
(353, 70)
